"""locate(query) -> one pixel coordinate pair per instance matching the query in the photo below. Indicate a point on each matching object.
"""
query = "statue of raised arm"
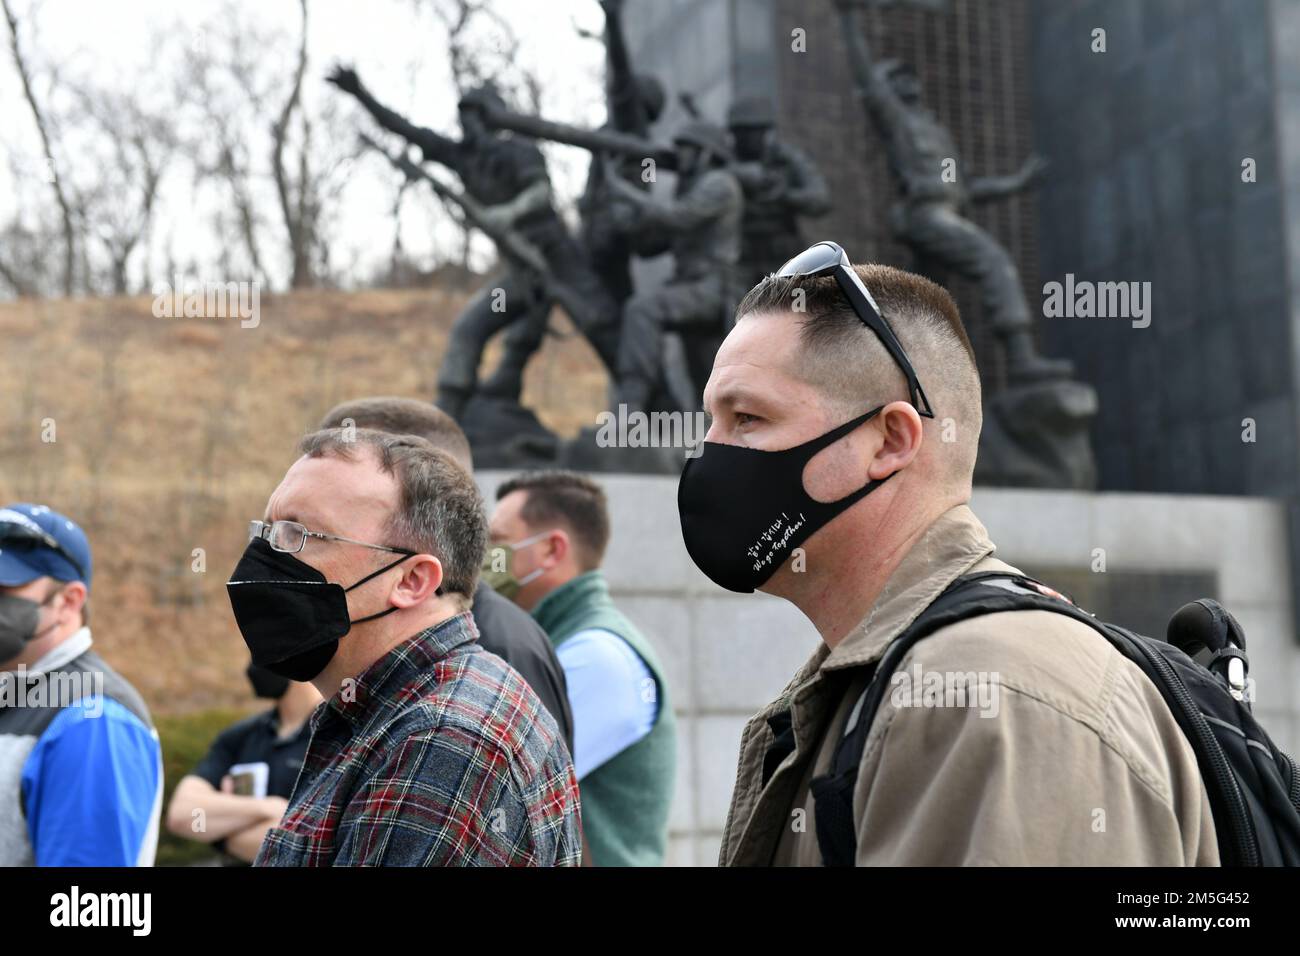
(934, 193)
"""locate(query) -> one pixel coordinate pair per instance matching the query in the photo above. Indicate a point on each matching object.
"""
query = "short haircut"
(404, 416)
(439, 509)
(850, 365)
(569, 499)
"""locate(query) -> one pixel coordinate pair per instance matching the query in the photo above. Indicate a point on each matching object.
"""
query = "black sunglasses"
(15, 535)
(827, 258)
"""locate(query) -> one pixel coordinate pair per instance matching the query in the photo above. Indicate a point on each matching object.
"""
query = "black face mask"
(266, 684)
(743, 510)
(290, 616)
(19, 618)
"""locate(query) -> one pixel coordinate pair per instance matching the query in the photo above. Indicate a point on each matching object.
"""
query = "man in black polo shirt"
(241, 788)
(504, 629)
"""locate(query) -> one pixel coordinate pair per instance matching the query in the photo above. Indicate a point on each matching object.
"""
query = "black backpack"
(1253, 787)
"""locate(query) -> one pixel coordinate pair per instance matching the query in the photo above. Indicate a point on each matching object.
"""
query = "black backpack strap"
(1199, 701)
(782, 743)
(969, 596)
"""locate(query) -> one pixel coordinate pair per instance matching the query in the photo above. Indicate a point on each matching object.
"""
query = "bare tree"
(296, 200)
(56, 181)
(218, 85)
(482, 47)
(277, 157)
(133, 148)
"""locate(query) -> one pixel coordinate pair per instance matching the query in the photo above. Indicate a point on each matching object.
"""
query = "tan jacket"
(1070, 757)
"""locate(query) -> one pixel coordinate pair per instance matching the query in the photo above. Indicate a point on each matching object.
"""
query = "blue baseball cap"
(36, 542)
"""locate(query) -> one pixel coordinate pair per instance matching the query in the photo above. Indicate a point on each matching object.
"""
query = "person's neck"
(294, 707)
(548, 583)
(856, 556)
(367, 648)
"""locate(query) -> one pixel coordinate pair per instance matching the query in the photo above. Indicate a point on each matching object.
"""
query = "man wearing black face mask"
(504, 629)
(80, 764)
(828, 479)
(428, 751)
(240, 789)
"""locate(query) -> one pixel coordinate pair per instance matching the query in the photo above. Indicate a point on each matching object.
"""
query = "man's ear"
(73, 595)
(900, 426)
(421, 579)
(558, 546)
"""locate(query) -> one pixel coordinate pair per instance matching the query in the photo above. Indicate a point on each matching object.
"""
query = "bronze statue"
(507, 176)
(633, 103)
(933, 195)
(665, 331)
(782, 185)
(1036, 429)
(700, 224)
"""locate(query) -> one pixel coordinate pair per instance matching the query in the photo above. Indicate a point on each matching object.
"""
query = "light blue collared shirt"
(612, 693)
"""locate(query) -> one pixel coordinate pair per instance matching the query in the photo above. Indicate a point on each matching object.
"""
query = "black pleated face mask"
(744, 510)
(291, 618)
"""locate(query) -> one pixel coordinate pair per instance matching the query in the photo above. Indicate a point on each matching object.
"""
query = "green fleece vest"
(626, 800)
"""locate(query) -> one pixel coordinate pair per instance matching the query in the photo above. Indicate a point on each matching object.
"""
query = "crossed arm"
(240, 821)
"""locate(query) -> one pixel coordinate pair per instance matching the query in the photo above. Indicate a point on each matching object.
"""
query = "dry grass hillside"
(169, 434)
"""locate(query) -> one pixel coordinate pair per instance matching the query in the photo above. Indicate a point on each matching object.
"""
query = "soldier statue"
(782, 185)
(933, 196)
(507, 174)
(1036, 428)
(634, 102)
(700, 224)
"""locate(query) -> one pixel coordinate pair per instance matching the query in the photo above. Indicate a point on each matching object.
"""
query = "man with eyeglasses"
(828, 478)
(427, 751)
(80, 762)
(504, 629)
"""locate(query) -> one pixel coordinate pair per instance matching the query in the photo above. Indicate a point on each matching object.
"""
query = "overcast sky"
(396, 45)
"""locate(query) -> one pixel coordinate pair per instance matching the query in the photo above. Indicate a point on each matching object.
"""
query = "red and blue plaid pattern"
(440, 755)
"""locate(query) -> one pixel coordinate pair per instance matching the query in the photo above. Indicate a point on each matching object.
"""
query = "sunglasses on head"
(24, 537)
(827, 258)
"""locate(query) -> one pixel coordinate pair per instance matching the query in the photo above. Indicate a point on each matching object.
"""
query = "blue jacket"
(80, 764)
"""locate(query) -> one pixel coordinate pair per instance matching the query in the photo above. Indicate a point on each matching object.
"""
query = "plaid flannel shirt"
(440, 755)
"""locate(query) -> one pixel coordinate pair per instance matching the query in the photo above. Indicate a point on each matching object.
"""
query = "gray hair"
(439, 510)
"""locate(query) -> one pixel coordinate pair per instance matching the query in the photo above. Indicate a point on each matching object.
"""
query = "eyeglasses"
(827, 258)
(24, 537)
(290, 536)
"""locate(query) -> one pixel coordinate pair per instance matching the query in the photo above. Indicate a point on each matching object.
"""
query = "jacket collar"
(949, 548)
(576, 592)
(63, 653)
